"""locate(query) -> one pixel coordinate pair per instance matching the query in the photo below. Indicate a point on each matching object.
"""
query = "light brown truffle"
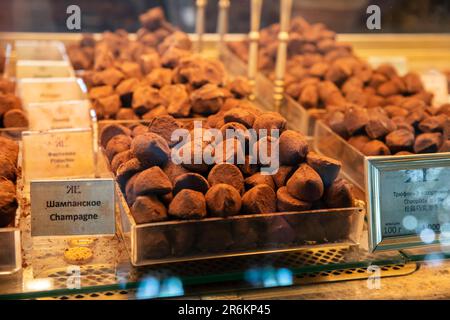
(188, 204)
(223, 200)
(225, 173)
(327, 168)
(152, 181)
(191, 181)
(305, 184)
(293, 147)
(286, 202)
(150, 149)
(147, 209)
(259, 199)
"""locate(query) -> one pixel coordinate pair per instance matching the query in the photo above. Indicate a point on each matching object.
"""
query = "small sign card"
(436, 82)
(65, 153)
(44, 69)
(50, 89)
(408, 199)
(40, 50)
(72, 207)
(59, 115)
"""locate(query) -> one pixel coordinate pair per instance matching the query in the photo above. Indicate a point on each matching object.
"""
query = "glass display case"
(337, 87)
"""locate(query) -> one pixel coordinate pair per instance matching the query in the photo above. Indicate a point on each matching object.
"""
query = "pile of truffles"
(155, 75)
(8, 174)
(376, 109)
(157, 189)
(11, 112)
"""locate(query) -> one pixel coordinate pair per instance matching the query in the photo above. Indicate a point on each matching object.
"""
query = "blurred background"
(343, 16)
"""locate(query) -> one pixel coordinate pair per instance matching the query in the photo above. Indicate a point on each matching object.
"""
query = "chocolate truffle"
(340, 194)
(127, 169)
(359, 141)
(15, 118)
(126, 114)
(130, 195)
(286, 202)
(259, 178)
(188, 204)
(9, 149)
(176, 99)
(173, 170)
(293, 147)
(151, 149)
(8, 202)
(379, 124)
(428, 142)
(249, 167)
(241, 116)
(145, 98)
(111, 130)
(191, 181)
(223, 200)
(240, 87)
(152, 181)
(164, 126)
(207, 100)
(8, 168)
(259, 199)
(117, 144)
(147, 209)
(375, 148)
(228, 174)
(355, 119)
(305, 184)
(327, 168)
(399, 140)
(283, 174)
(269, 121)
(159, 77)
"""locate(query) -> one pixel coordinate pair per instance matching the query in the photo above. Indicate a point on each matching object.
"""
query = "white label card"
(414, 202)
(59, 115)
(58, 154)
(72, 207)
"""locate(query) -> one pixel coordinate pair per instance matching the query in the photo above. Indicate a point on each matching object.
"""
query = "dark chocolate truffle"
(164, 126)
(259, 178)
(327, 168)
(152, 181)
(111, 130)
(223, 200)
(117, 144)
(286, 202)
(148, 209)
(192, 181)
(269, 121)
(399, 140)
(8, 202)
(375, 148)
(150, 149)
(340, 194)
(228, 174)
(188, 204)
(305, 184)
(293, 147)
(259, 199)
(428, 142)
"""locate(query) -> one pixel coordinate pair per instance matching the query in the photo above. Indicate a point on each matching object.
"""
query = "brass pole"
(200, 23)
(283, 37)
(256, 6)
(222, 26)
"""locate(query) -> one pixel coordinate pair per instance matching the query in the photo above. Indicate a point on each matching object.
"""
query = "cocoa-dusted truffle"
(293, 147)
(241, 116)
(178, 40)
(428, 142)
(191, 181)
(192, 155)
(138, 130)
(173, 170)
(152, 181)
(269, 121)
(305, 184)
(259, 178)
(355, 119)
(7, 168)
(152, 19)
(130, 195)
(127, 169)
(8, 202)
(107, 107)
(375, 148)
(159, 77)
(164, 126)
(126, 114)
(359, 141)
(117, 144)
(125, 90)
(188, 204)
(101, 92)
(286, 202)
(230, 151)
(208, 99)
(148, 209)
(151, 149)
(240, 87)
(111, 130)
(259, 199)
(400, 140)
(283, 174)
(379, 124)
(10, 149)
(327, 168)
(223, 200)
(176, 99)
(145, 98)
(109, 77)
(9, 101)
(228, 174)
(340, 194)
(15, 118)
(249, 167)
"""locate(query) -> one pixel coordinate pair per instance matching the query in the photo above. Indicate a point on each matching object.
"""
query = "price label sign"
(44, 69)
(72, 207)
(59, 115)
(66, 153)
(40, 50)
(408, 201)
